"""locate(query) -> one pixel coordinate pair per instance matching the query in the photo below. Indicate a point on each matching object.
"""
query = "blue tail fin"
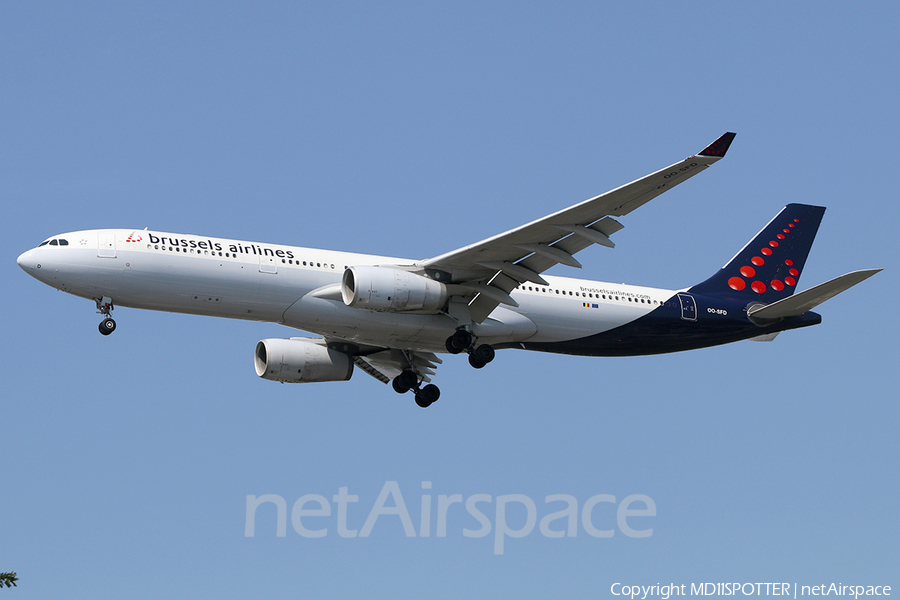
(769, 267)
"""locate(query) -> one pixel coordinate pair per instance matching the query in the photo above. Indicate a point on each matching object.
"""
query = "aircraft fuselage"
(298, 287)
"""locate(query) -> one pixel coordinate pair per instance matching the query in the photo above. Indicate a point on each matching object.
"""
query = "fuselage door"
(107, 246)
(688, 307)
(267, 264)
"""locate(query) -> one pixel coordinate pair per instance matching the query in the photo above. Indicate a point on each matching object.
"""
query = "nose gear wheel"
(107, 326)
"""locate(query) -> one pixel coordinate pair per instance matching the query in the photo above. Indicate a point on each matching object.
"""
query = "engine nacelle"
(300, 360)
(391, 290)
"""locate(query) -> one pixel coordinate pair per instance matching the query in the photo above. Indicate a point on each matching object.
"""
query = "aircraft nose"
(26, 260)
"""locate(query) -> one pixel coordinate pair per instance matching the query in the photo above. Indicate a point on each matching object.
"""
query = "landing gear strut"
(105, 307)
(408, 380)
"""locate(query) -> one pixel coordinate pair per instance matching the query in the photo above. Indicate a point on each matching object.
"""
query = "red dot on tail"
(796, 220)
(786, 230)
(790, 281)
(777, 285)
(789, 262)
(758, 286)
(748, 271)
(791, 225)
(780, 236)
(794, 272)
(736, 283)
(773, 243)
(758, 261)
(766, 251)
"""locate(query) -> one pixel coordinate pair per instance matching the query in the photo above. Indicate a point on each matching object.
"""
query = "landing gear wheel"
(405, 381)
(459, 341)
(107, 326)
(428, 395)
(476, 362)
(484, 353)
(398, 386)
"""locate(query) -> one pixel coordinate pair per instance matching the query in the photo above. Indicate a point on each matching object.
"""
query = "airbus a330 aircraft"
(391, 317)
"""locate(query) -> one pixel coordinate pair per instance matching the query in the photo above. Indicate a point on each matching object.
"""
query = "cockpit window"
(44, 243)
(63, 242)
(54, 243)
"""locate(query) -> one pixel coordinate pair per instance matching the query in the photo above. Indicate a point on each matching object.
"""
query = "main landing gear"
(408, 380)
(105, 307)
(463, 341)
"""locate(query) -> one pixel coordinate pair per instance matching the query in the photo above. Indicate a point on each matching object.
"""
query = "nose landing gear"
(105, 307)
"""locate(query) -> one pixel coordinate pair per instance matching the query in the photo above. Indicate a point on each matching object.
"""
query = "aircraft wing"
(492, 268)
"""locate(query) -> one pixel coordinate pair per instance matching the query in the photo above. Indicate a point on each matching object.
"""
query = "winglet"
(719, 147)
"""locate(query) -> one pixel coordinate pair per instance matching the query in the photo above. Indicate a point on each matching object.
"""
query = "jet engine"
(300, 360)
(384, 289)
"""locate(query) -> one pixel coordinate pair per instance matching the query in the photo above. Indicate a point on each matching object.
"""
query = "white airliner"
(391, 317)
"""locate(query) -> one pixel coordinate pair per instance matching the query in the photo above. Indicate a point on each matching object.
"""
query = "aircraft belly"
(332, 318)
(660, 331)
(504, 326)
(664, 329)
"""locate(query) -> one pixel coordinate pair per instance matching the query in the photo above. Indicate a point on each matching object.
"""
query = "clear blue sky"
(409, 130)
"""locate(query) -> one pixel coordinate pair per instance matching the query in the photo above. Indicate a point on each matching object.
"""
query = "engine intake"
(300, 360)
(384, 289)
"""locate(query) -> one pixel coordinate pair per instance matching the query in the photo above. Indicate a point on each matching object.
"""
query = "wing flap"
(390, 362)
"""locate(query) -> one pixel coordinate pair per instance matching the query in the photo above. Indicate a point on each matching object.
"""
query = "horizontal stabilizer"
(808, 299)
